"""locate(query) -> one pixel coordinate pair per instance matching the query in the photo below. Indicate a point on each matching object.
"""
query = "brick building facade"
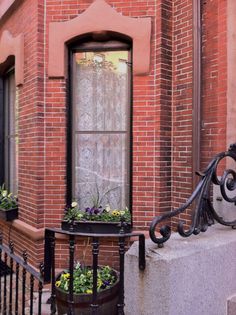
(182, 100)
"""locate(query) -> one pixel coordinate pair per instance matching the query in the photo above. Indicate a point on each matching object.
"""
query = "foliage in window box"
(8, 205)
(107, 290)
(96, 219)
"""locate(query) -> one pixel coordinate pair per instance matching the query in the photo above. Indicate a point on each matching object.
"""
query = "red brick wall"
(214, 89)
(31, 167)
(162, 109)
(152, 124)
(182, 102)
(151, 114)
(214, 83)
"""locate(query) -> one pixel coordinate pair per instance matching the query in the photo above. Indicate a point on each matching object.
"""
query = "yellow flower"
(99, 283)
(58, 283)
(115, 212)
(89, 291)
(66, 275)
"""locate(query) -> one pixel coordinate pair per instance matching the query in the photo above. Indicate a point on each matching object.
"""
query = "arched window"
(100, 124)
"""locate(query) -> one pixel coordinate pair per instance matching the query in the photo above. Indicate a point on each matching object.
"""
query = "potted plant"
(107, 290)
(8, 205)
(96, 219)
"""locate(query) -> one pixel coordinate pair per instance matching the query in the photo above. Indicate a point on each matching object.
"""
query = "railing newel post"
(95, 251)
(25, 259)
(71, 271)
(120, 306)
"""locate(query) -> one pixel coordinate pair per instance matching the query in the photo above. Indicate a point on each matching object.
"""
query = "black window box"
(9, 215)
(95, 227)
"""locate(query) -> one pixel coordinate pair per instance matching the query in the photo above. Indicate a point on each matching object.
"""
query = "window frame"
(90, 45)
(5, 122)
(1, 133)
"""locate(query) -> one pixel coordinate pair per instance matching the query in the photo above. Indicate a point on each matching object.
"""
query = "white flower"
(4, 193)
(122, 212)
(107, 208)
(74, 204)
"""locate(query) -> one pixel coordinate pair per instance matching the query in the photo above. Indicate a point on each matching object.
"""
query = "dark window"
(101, 124)
(9, 132)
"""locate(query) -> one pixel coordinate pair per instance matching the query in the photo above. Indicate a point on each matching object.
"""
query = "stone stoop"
(231, 305)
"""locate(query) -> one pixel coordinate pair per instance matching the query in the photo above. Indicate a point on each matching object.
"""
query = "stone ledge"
(194, 275)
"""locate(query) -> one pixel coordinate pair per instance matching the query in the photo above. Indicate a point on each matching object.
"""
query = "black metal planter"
(106, 300)
(9, 214)
(96, 227)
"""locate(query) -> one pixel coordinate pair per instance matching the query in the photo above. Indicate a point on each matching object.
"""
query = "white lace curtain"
(101, 133)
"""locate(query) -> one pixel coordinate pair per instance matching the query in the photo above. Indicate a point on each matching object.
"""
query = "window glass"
(10, 133)
(101, 128)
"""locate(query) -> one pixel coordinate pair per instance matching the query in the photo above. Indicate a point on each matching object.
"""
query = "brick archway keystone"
(99, 17)
(13, 46)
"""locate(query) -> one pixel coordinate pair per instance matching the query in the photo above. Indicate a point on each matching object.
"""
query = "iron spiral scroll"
(204, 214)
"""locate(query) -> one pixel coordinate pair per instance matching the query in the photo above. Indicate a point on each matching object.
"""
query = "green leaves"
(97, 214)
(7, 200)
(83, 279)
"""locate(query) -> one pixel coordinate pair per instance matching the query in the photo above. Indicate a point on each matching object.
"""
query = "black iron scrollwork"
(204, 213)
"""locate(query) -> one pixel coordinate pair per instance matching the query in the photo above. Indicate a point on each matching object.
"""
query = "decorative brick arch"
(99, 17)
(13, 46)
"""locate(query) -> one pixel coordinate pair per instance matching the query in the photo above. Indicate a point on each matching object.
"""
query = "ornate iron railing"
(49, 264)
(21, 286)
(204, 213)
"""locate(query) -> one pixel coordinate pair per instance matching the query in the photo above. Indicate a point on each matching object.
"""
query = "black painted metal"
(17, 287)
(48, 252)
(20, 270)
(11, 246)
(5, 287)
(40, 288)
(71, 268)
(25, 257)
(0, 274)
(52, 270)
(95, 251)
(121, 304)
(50, 267)
(31, 294)
(204, 213)
(142, 260)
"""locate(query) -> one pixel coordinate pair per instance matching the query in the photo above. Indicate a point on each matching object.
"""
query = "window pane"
(101, 112)
(101, 91)
(101, 169)
(11, 134)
